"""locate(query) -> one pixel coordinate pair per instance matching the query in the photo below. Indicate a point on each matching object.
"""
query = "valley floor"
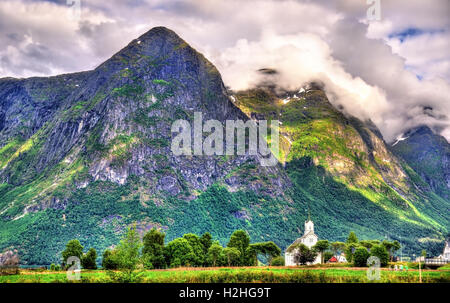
(303, 274)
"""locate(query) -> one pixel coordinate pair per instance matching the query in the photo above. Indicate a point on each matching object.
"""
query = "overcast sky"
(395, 71)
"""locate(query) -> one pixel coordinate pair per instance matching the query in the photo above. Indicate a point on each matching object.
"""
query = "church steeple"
(309, 225)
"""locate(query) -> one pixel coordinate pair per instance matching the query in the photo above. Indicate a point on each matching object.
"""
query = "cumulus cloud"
(375, 70)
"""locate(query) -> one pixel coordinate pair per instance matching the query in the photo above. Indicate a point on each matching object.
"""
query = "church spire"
(309, 214)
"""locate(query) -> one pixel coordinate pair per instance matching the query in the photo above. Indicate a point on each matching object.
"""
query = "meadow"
(303, 274)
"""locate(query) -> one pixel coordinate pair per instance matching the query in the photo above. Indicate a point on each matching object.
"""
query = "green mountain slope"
(429, 155)
(85, 155)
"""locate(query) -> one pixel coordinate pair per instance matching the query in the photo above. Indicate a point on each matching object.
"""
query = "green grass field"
(238, 275)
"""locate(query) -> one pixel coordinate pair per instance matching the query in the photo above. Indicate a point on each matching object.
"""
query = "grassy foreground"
(236, 275)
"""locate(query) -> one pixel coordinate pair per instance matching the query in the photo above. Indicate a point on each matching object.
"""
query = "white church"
(309, 238)
(446, 253)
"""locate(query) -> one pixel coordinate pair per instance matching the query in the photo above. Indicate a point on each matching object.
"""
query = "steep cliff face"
(429, 155)
(85, 155)
(115, 121)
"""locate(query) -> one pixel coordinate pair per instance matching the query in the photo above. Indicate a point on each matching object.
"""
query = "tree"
(366, 243)
(380, 252)
(396, 246)
(206, 240)
(240, 240)
(198, 257)
(349, 250)
(278, 261)
(109, 261)
(153, 249)
(268, 249)
(233, 255)
(352, 238)
(73, 249)
(128, 250)
(214, 252)
(89, 260)
(391, 247)
(303, 254)
(423, 253)
(321, 246)
(360, 256)
(337, 247)
(179, 253)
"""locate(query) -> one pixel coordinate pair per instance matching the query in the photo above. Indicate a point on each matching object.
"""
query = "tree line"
(355, 251)
(190, 250)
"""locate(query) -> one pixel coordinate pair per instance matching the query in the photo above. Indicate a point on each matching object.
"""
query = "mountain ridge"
(85, 155)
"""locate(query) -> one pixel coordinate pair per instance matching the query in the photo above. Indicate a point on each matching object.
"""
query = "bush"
(360, 257)
(380, 252)
(109, 260)
(278, 261)
(88, 261)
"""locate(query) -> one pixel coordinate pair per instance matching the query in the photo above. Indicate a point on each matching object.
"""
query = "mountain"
(85, 155)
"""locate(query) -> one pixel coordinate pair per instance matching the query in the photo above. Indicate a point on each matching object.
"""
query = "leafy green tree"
(109, 261)
(396, 246)
(366, 243)
(89, 260)
(214, 252)
(268, 249)
(241, 241)
(153, 249)
(179, 253)
(352, 238)
(128, 250)
(321, 246)
(206, 240)
(198, 258)
(278, 261)
(251, 255)
(233, 255)
(380, 252)
(423, 253)
(349, 250)
(303, 254)
(360, 257)
(391, 247)
(73, 249)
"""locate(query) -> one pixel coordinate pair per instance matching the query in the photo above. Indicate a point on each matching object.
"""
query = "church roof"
(309, 233)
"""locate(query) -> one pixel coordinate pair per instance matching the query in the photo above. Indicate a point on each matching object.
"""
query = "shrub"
(88, 261)
(109, 260)
(380, 252)
(278, 261)
(360, 257)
